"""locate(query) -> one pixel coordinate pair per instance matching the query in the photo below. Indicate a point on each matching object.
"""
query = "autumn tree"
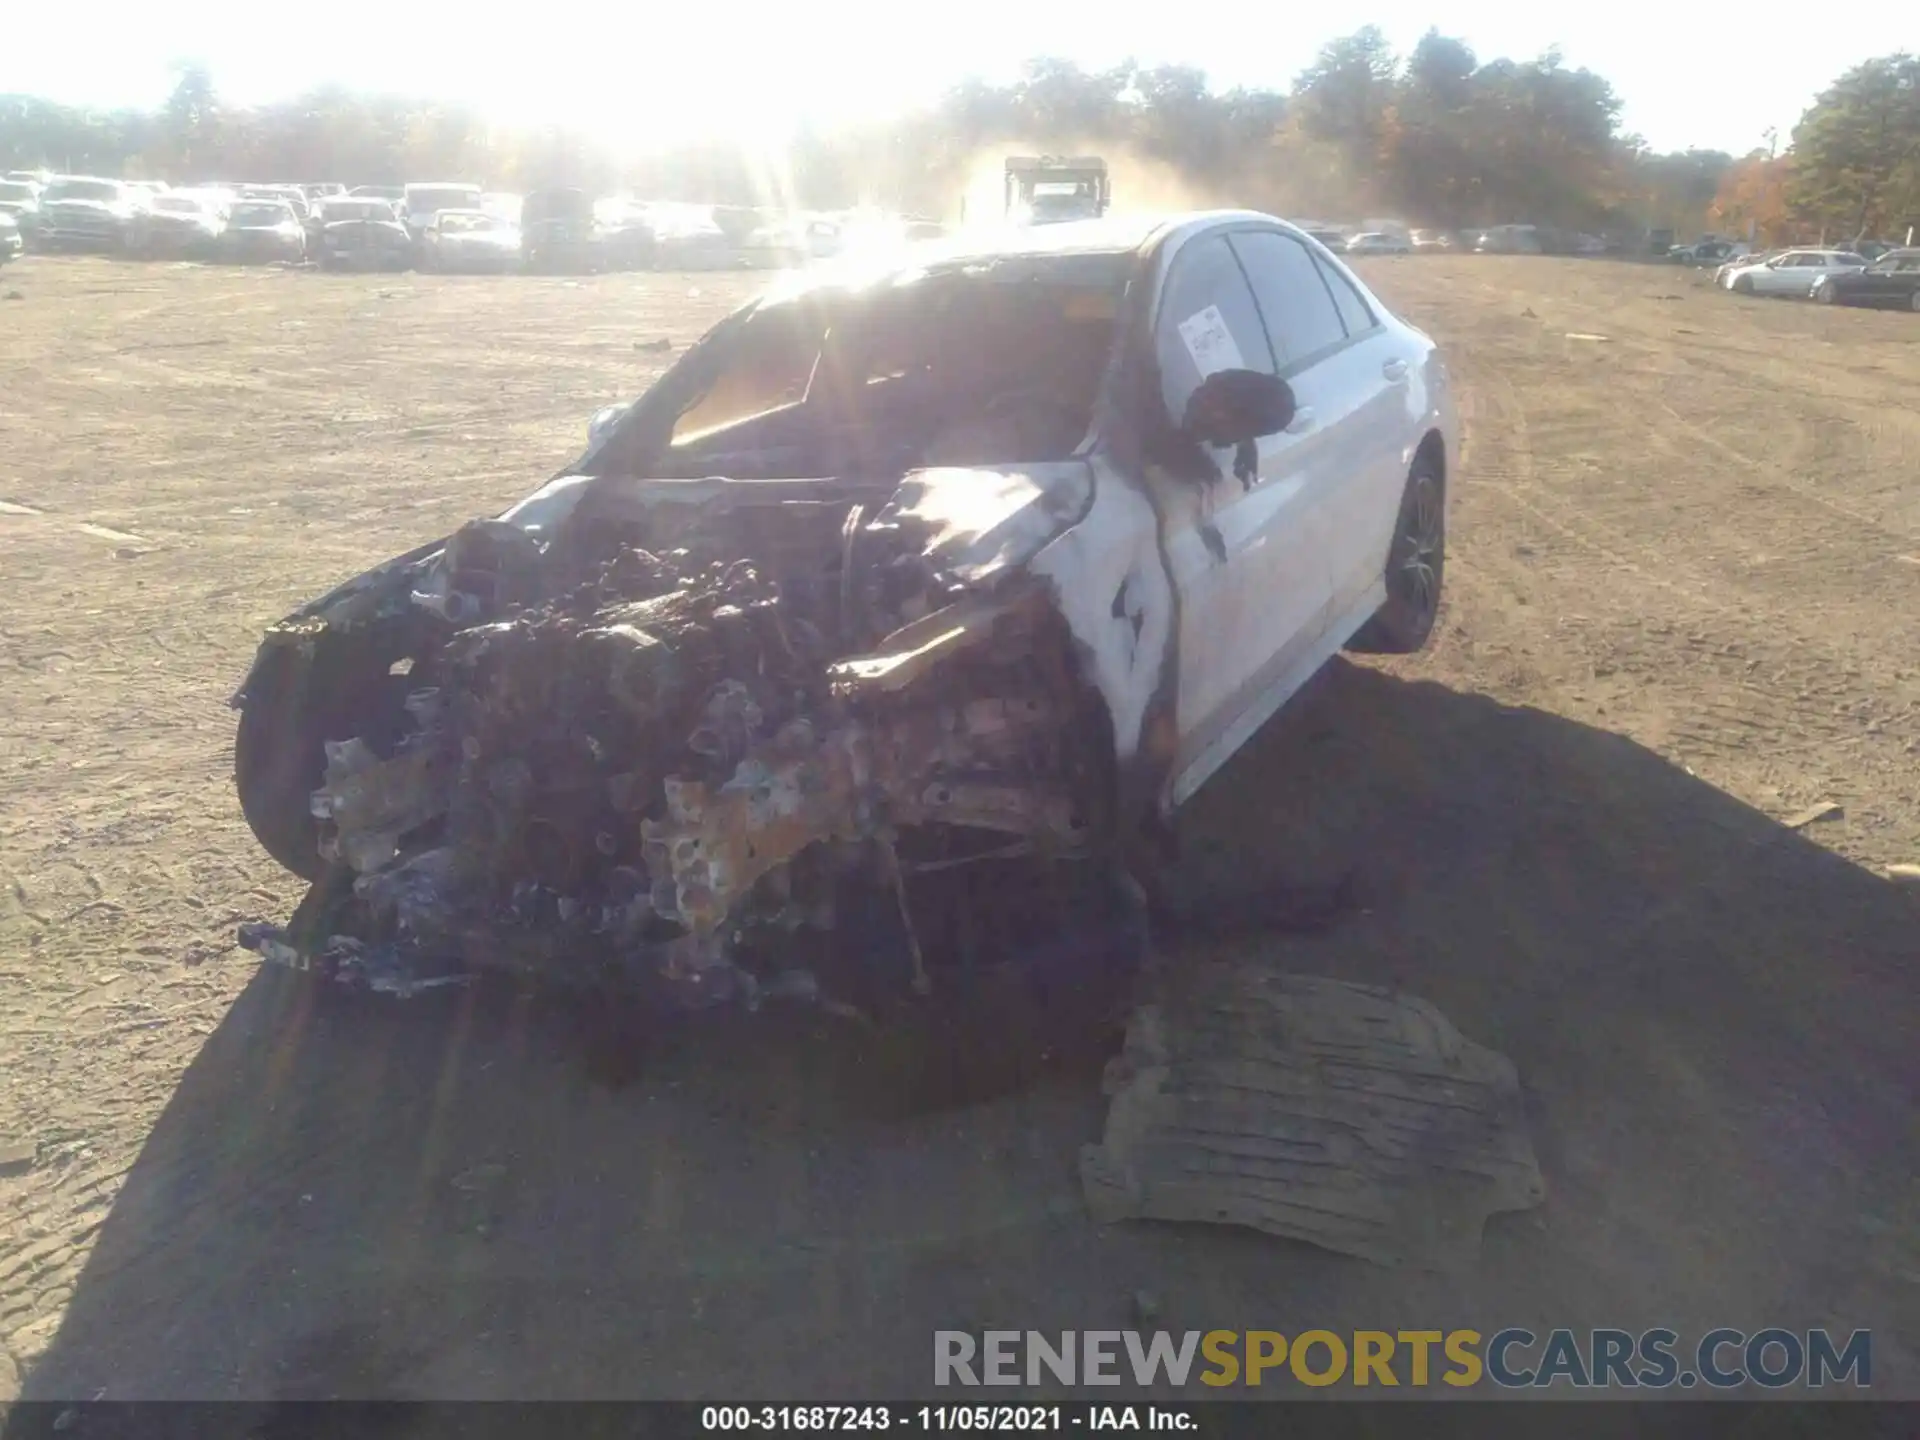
(1753, 197)
(1857, 149)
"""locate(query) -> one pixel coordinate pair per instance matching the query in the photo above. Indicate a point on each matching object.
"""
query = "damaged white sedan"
(918, 596)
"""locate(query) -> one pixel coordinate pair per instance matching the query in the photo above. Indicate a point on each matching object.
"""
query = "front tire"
(295, 704)
(1416, 567)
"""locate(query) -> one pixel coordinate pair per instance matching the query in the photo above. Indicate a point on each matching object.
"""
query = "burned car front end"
(802, 637)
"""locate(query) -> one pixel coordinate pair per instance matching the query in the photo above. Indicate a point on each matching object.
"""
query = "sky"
(639, 77)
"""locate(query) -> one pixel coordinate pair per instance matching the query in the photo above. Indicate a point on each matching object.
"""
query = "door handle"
(1301, 423)
(1394, 370)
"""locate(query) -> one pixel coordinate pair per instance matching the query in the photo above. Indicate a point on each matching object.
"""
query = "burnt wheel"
(1416, 566)
(295, 704)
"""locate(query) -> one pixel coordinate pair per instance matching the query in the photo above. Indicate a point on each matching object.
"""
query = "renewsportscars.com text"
(1512, 1358)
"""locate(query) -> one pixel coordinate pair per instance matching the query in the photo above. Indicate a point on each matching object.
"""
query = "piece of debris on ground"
(1825, 810)
(1344, 1115)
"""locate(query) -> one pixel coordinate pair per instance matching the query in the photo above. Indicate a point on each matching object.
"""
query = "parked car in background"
(82, 212)
(358, 233)
(629, 234)
(322, 190)
(558, 232)
(1377, 242)
(1792, 272)
(1891, 282)
(471, 241)
(290, 195)
(690, 237)
(263, 232)
(1708, 250)
(1427, 242)
(419, 203)
(20, 202)
(179, 225)
(1508, 240)
(11, 244)
(395, 193)
(1329, 237)
(1738, 262)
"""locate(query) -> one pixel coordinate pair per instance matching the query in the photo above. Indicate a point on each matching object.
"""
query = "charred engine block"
(630, 761)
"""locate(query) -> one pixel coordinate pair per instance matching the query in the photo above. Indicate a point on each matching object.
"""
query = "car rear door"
(1247, 558)
(1351, 383)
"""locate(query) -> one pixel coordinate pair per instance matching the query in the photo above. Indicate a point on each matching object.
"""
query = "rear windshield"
(357, 210)
(177, 205)
(260, 214)
(15, 190)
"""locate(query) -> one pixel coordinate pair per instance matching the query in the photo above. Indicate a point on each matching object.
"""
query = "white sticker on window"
(1210, 343)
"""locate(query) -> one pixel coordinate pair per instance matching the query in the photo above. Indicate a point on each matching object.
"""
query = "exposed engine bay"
(688, 725)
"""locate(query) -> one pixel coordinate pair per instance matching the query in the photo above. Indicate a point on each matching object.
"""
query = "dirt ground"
(1684, 604)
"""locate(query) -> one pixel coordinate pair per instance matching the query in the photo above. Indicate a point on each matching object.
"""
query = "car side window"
(1207, 321)
(1302, 316)
(1355, 313)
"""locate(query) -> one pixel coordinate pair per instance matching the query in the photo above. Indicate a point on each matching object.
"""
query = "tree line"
(1437, 136)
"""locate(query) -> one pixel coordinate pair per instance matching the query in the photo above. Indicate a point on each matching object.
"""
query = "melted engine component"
(678, 750)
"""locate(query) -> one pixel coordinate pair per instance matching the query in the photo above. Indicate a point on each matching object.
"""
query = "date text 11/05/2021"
(935, 1419)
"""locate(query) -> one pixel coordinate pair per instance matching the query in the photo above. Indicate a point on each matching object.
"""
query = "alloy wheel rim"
(1420, 540)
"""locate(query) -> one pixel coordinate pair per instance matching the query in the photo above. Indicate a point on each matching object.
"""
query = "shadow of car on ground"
(1713, 1018)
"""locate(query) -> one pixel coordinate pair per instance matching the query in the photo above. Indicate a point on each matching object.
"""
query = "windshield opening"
(967, 367)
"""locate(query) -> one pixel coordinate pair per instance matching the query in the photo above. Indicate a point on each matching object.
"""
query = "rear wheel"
(1743, 285)
(1913, 302)
(1416, 566)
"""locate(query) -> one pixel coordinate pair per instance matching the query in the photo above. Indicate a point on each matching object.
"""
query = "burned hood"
(982, 521)
(974, 524)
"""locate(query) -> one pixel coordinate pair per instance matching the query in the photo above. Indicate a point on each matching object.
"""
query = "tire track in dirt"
(1757, 689)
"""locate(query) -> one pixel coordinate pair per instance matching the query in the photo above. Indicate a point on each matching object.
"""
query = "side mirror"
(1237, 407)
(602, 423)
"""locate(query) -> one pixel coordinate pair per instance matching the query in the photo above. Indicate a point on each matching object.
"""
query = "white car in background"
(1378, 242)
(1791, 272)
(1109, 491)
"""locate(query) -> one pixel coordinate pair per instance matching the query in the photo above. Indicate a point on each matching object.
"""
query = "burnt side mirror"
(1237, 407)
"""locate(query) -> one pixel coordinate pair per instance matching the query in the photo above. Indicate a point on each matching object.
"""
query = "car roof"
(1130, 234)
